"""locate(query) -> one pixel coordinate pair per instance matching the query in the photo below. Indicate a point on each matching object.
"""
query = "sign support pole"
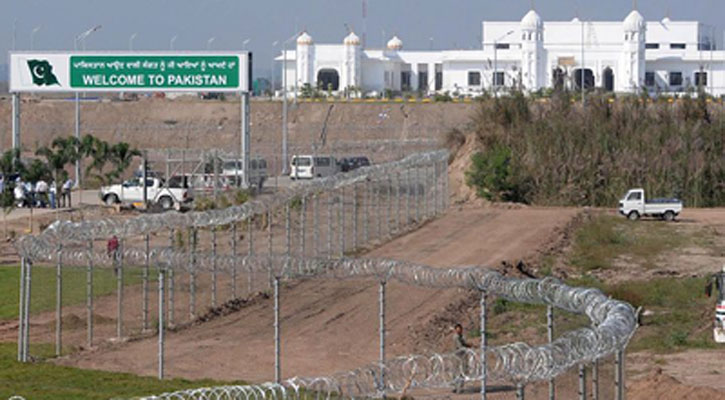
(245, 137)
(16, 120)
(78, 136)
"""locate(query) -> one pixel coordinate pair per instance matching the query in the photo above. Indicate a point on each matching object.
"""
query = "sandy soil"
(332, 326)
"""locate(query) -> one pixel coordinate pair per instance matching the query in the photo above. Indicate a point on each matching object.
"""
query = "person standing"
(41, 190)
(67, 186)
(112, 251)
(53, 193)
(461, 349)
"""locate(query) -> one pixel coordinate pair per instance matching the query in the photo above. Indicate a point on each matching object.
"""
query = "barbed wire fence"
(310, 230)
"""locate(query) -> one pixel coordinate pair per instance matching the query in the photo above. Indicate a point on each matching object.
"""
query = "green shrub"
(491, 175)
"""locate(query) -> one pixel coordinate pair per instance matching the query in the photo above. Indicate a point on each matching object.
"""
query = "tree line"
(107, 162)
(563, 153)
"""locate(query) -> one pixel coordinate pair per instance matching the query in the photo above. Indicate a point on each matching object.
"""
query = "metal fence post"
(119, 289)
(436, 188)
(595, 380)
(329, 226)
(582, 382)
(213, 268)
(619, 375)
(145, 299)
(269, 247)
(389, 206)
(26, 304)
(170, 277)
(303, 220)
(316, 224)
(288, 230)
(484, 374)
(550, 337)
(341, 221)
(366, 217)
(407, 196)
(520, 391)
(377, 194)
(162, 278)
(381, 306)
(234, 260)
(21, 311)
(354, 217)
(417, 197)
(277, 366)
(250, 251)
(89, 296)
(59, 302)
(397, 202)
(192, 273)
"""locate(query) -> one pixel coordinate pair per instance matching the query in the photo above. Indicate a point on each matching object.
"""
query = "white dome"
(304, 39)
(352, 39)
(576, 19)
(666, 20)
(395, 43)
(634, 22)
(531, 21)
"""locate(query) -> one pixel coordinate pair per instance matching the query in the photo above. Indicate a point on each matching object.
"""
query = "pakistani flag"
(42, 73)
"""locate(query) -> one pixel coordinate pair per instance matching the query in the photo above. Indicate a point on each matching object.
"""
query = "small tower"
(532, 51)
(351, 64)
(632, 63)
(395, 44)
(305, 59)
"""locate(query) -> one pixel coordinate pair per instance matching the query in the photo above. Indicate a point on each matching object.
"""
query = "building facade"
(629, 56)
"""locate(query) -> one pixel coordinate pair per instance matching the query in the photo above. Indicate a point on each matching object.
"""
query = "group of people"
(39, 194)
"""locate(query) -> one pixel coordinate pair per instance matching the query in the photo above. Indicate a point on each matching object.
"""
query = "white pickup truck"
(633, 205)
(131, 191)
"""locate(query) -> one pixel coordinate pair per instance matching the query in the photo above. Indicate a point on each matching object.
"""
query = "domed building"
(626, 56)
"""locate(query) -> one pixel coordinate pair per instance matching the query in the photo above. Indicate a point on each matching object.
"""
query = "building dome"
(352, 40)
(576, 20)
(395, 43)
(666, 20)
(531, 21)
(304, 39)
(634, 22)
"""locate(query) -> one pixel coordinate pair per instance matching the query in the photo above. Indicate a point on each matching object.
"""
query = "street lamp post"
(130, 41)
(172, 41)
(80, 38)
(209, 42)
(285, 167)
(495, 61)
(32, 36)
(274, 46)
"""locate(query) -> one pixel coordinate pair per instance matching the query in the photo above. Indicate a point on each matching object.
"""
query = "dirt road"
(330, 326)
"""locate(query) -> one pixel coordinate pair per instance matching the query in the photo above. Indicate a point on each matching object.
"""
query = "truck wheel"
(633, 216)
(166, 203)
(669, 216)
(111, 199)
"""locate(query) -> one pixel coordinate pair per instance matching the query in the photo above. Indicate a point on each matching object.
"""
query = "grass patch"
(43, 287)
(680, 315)
(48, 381)
(598, 243)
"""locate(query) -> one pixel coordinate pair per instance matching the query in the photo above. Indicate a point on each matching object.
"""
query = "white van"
(233, 171)
(308, 167)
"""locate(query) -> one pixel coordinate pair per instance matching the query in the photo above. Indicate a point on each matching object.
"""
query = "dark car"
(348, 164)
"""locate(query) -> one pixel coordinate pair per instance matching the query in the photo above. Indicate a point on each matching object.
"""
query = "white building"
(623, 56)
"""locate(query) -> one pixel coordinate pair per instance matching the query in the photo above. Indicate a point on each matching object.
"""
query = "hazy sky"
(449, 22)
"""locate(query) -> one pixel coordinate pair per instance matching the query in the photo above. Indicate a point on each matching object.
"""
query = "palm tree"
(56, 159)
(99, 151)
(121, 155)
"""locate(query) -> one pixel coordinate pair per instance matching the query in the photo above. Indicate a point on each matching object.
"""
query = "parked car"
(167, 196)
(634, 205)
(308, 167)
(348, 164)
(234, 172)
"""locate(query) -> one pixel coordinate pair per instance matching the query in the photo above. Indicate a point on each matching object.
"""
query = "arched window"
(328, 79)
(608, 79)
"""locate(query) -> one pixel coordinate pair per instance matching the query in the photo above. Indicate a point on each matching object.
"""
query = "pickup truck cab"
(131, 191)
(634, 205)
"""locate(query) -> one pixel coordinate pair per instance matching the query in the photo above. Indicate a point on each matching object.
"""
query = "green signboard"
(156, 72)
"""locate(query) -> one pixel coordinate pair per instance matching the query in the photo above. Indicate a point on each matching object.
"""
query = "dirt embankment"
(196, 124)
